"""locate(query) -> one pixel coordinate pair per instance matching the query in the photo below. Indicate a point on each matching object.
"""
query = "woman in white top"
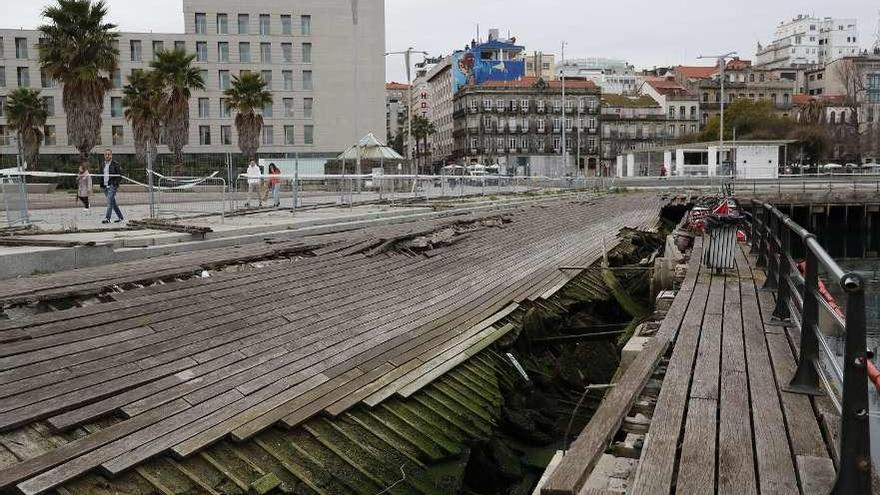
(254, 178)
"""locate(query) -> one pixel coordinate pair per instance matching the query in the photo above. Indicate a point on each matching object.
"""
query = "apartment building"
(518, 125)
(326, 73)
(808, 40)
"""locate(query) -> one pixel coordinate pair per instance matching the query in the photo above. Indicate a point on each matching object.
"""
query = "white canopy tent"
(370, 149)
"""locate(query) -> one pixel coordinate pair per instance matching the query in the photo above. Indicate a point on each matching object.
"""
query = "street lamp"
(564, 147)
(407, 54)
(722, 61)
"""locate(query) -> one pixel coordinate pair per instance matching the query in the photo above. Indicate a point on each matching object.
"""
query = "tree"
(78, 49)
(421, 129)
(851, 76)
(144, 109)
(246, 97)
(178, 78)
(26, 114)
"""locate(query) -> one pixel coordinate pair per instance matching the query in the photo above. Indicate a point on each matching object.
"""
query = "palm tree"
(421, 129)
(78, 49)
(246, 96)
(26, 114)
(178, 77)
(144, 105)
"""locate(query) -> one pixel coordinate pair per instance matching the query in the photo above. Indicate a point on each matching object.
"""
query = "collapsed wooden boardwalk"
(188, 364)
(722, 422)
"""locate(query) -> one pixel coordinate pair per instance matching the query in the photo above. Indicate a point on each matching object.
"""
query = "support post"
(806, 377)
(854, 475)
(772, 253)
(781, 312)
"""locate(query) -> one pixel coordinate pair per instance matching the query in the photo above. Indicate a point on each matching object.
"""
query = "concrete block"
(631, 351)
(664, 300)
(31, 260)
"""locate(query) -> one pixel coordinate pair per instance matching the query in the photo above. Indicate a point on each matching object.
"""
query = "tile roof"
(667, 87)
(392, 86)
(696, 72)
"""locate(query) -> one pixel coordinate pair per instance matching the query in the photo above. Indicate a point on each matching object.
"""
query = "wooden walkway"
(191, 363)
(722, 423)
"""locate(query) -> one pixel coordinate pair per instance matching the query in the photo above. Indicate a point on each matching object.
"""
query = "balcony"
(524, 109)
(592, 130)
(473, 109)
(541, 109)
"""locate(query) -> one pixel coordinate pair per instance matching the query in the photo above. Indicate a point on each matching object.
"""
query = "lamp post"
(722, 61)
(407, 55)
(564, 147)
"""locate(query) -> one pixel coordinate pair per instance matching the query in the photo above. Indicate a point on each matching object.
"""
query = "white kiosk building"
(743, 159)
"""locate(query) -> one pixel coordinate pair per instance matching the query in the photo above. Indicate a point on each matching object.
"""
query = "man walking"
(110, 184)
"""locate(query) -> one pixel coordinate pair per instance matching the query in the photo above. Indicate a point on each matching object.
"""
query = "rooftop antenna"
(877, 34)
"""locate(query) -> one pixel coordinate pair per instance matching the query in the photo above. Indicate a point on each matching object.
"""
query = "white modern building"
(326, 73)
(809, 40)
(612, 75)
(742, 159)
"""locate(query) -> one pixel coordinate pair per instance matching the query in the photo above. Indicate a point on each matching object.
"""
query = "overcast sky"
(644, 32)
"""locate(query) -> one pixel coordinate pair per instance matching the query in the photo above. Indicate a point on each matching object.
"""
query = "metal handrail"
(773, 234)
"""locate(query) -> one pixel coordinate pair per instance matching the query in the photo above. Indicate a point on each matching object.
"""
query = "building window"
(671, 112)
(287, 52)
(49, 136)
(224, 108)
(204, 108)
(286, 26)
(222, 24)
(24, 77)
(2, 55)
(305, 23)
(267, 78)
(223, 51)
(117, 135)
(243, 21)
(288, 107)
(287, 79)
(21, 48)
(2, 77)
(46, 81)
(224, 79)
(307, 80)
(785, 99)
(135, 46)
(265, 28)
(225, 134)
(693, 112)
(201, 51)
(180, 46)
(115, 106)
(268, 135)
(872, 88)
(307, 53)
(204, 135)
(50, 105)
(309, 134)
(117, 79)
(2, 106)
(201, 23)
(308, 106)
(266, 53)
(267, 110)
(4, 136)
(244, 52)
(204, 75)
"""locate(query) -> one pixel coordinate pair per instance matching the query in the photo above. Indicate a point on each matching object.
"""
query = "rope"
(185, 184)
(401, 480)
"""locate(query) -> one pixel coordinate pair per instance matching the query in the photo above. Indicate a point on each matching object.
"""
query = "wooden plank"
(736, 458)
(655, 472)
(583, 454)
(817, 474)
(776, 472)
(36, 465)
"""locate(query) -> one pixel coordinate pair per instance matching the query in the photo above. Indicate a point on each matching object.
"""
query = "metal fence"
(14, 199)
(833, 349)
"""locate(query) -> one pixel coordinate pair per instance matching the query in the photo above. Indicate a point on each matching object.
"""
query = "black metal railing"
(779, 242)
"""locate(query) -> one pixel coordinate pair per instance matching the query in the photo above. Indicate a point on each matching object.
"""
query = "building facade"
(611, 75)
(326, 74)
(396, 104)
(440, 112)
(808, 40)
(518, 125)
(631, 123)
(680, 106)
(541, 65)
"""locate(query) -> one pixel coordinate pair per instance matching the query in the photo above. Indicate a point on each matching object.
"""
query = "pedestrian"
(110, 184)
(253, 183)
(275, 184)
(84, 185)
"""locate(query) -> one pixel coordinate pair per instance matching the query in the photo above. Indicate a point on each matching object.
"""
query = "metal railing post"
(806, 377)
(761, 262)
(772, 253)
(854, 475)
(755, 247)
(783, 294)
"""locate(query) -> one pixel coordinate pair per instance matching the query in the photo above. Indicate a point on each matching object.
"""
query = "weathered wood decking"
(722, 423)
(191, 363)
